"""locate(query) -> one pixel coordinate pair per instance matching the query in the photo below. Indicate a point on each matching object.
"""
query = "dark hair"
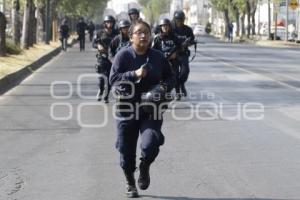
(139, 22)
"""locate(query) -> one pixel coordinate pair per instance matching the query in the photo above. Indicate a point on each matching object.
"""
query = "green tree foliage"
(88, 8)
(235, 10)
(152, 9)
(220, 5)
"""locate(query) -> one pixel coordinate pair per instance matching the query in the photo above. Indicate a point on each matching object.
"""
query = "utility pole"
(258, 18)
(287, 20)
(269, 19)
(298, 21)
(47, 21)
(275, 31)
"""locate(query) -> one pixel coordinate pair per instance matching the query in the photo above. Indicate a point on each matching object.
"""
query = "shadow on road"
(190, 198)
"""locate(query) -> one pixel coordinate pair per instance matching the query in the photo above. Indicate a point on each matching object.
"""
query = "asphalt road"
(237, 135)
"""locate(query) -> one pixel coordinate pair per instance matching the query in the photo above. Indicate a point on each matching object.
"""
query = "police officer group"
(129, 54)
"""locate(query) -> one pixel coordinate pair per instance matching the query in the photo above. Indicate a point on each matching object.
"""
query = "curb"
(11, 80)
(278, 45)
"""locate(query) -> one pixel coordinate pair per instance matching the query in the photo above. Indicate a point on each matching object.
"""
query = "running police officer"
(121, 40)
(81, 27)
(169, 45)
(64, 34)
(186, 37)
(101, 42)
(145, 68)
(134, 15)
(91, 29)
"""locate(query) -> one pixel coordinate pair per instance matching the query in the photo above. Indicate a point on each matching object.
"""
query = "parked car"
(199, 30)
(281, 32)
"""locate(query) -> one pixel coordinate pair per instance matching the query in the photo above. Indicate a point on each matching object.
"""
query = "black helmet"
(164, 21)
(124, 23)
(179, 14)
(133, 11)
(109, 18)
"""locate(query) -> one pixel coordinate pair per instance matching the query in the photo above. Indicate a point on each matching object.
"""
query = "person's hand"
(172, 56)
(100, 47)
(141, 72)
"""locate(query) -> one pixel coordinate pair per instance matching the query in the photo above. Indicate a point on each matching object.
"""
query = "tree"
(16, 22)
(237, 10)
(26, 24)
(239, 7)
(75, 8)
(2, 34)
(253, 8)
(223, 6)
(32, 30)
(41, 16)
(154, 8)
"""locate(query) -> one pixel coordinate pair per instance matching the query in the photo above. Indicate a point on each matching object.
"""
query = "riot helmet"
(133, 11)
(164, 21)
(134, 14)
(109, 18)
(124, 23)
(179, 15)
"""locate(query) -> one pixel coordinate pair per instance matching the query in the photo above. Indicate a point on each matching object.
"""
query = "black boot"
(183, 90)
(131, 191)
(144, 178)
(99, 95)
(106, 100)
(178, 95)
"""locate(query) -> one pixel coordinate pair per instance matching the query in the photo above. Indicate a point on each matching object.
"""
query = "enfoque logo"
(200, 106)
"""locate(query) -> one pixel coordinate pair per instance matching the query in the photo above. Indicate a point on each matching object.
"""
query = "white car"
(281, 32)
(199, 30)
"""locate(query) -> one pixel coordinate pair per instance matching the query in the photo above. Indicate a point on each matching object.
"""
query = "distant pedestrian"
(230, 32)
(64, 34)
(81, 27)
(91, 29)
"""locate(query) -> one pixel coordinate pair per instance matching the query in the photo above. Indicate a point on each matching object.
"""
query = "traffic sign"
(293, 4)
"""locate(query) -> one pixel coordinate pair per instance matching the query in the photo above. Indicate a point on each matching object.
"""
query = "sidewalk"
(266, 43)
(15, 68)
(277, 43)
(13, 63)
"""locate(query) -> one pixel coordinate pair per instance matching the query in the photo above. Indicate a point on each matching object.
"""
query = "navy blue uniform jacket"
(127, 61)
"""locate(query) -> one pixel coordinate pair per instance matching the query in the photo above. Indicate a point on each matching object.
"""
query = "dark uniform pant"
(103, 68)
(184, 68)
(81, 42)
(104, 86)
(175, 64)
(128, 133)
